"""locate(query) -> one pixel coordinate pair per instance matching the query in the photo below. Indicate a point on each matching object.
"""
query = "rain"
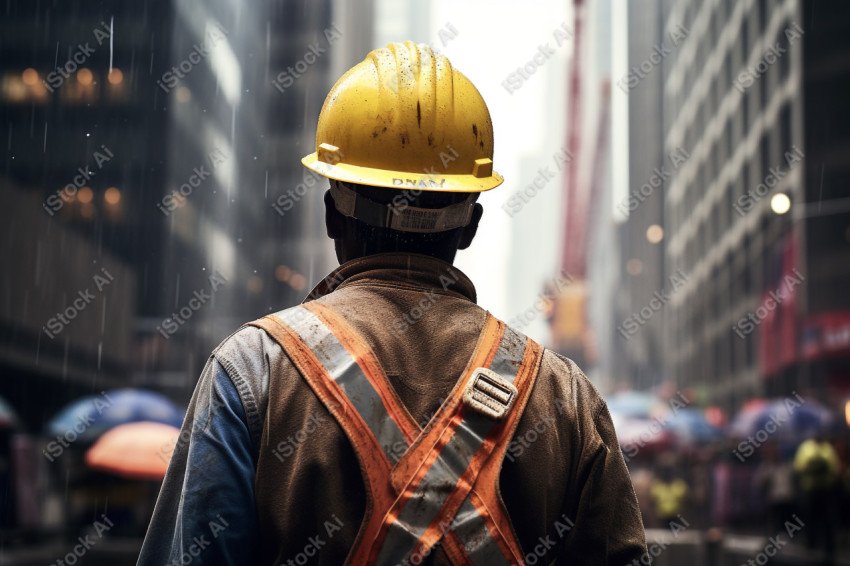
(674, 219)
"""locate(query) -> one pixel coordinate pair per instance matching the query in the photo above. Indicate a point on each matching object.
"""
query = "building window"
(785, 60)
(763, 15)
(727, 66)
(785, 127)
(766, 163)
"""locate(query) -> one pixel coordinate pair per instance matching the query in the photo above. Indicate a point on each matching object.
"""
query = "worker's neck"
(345, 255)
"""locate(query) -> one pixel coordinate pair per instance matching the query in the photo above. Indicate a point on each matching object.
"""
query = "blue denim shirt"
(206, 513)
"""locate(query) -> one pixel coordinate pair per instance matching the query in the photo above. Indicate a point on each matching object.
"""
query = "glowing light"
(298, 282)
(112, 196)
(85, 77)
(282, 273)
(85, 195)
(255, 284)
(87, 211)
(183, 94)
(780, 203)
(847, 413)
(115, 77)
(30, 77)
(634, 266)
(654, 234)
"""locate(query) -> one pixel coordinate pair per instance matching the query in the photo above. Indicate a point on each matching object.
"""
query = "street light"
(654, 234)
(780, 203)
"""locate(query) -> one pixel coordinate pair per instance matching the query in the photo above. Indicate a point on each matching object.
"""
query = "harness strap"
(462, 504)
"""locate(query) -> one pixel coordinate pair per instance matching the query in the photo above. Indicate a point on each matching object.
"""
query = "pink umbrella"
(139, 450)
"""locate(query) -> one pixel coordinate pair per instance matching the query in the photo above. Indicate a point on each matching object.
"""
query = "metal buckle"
(490, 394)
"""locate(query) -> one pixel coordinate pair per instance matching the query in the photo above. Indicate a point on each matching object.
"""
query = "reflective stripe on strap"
(343, 368)
(471, 528)
(474, 535)
(412, 525)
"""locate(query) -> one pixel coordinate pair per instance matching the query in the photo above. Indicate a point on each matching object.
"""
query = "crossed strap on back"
(426, 485)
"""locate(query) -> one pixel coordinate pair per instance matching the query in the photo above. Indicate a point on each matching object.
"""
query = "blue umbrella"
(87, 418)
(689, 426)
(788, 419)
(797, 420)
(8, 417)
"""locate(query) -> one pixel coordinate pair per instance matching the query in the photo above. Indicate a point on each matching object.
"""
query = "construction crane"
(568, 318)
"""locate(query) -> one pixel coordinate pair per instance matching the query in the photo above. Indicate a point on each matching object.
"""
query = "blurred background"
(675, 218)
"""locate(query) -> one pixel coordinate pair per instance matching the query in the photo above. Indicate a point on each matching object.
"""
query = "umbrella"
(745, 420)
(8, 417)
(790, 419)
(139, 450)
(641, 434)
(87, 418)
(633, 404)
(690, 426)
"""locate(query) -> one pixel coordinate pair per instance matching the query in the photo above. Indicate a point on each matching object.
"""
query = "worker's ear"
(470, 229)
(334, 221)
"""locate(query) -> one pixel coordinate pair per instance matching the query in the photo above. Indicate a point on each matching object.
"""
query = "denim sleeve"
(206, 512)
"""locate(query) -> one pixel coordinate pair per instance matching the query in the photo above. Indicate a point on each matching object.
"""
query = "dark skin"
(348, 236)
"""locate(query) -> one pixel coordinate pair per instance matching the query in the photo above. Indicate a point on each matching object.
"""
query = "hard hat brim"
(401, 180)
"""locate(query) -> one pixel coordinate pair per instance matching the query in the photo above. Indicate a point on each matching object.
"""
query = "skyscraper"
(751, 215)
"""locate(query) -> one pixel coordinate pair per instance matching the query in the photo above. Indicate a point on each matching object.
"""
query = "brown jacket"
(564, 482)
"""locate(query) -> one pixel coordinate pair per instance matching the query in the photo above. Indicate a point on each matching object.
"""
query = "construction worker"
(371, 423)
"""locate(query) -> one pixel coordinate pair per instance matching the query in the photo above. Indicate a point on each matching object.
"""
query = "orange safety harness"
(426, 485)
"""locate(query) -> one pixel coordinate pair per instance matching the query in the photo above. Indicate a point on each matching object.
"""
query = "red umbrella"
(139, 450)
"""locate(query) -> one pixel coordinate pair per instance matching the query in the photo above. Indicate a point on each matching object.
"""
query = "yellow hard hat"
(404, 118)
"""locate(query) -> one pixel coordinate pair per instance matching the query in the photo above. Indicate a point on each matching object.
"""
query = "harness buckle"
(490, 394)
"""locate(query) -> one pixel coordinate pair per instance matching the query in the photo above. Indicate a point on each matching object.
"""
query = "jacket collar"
(398, 269)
